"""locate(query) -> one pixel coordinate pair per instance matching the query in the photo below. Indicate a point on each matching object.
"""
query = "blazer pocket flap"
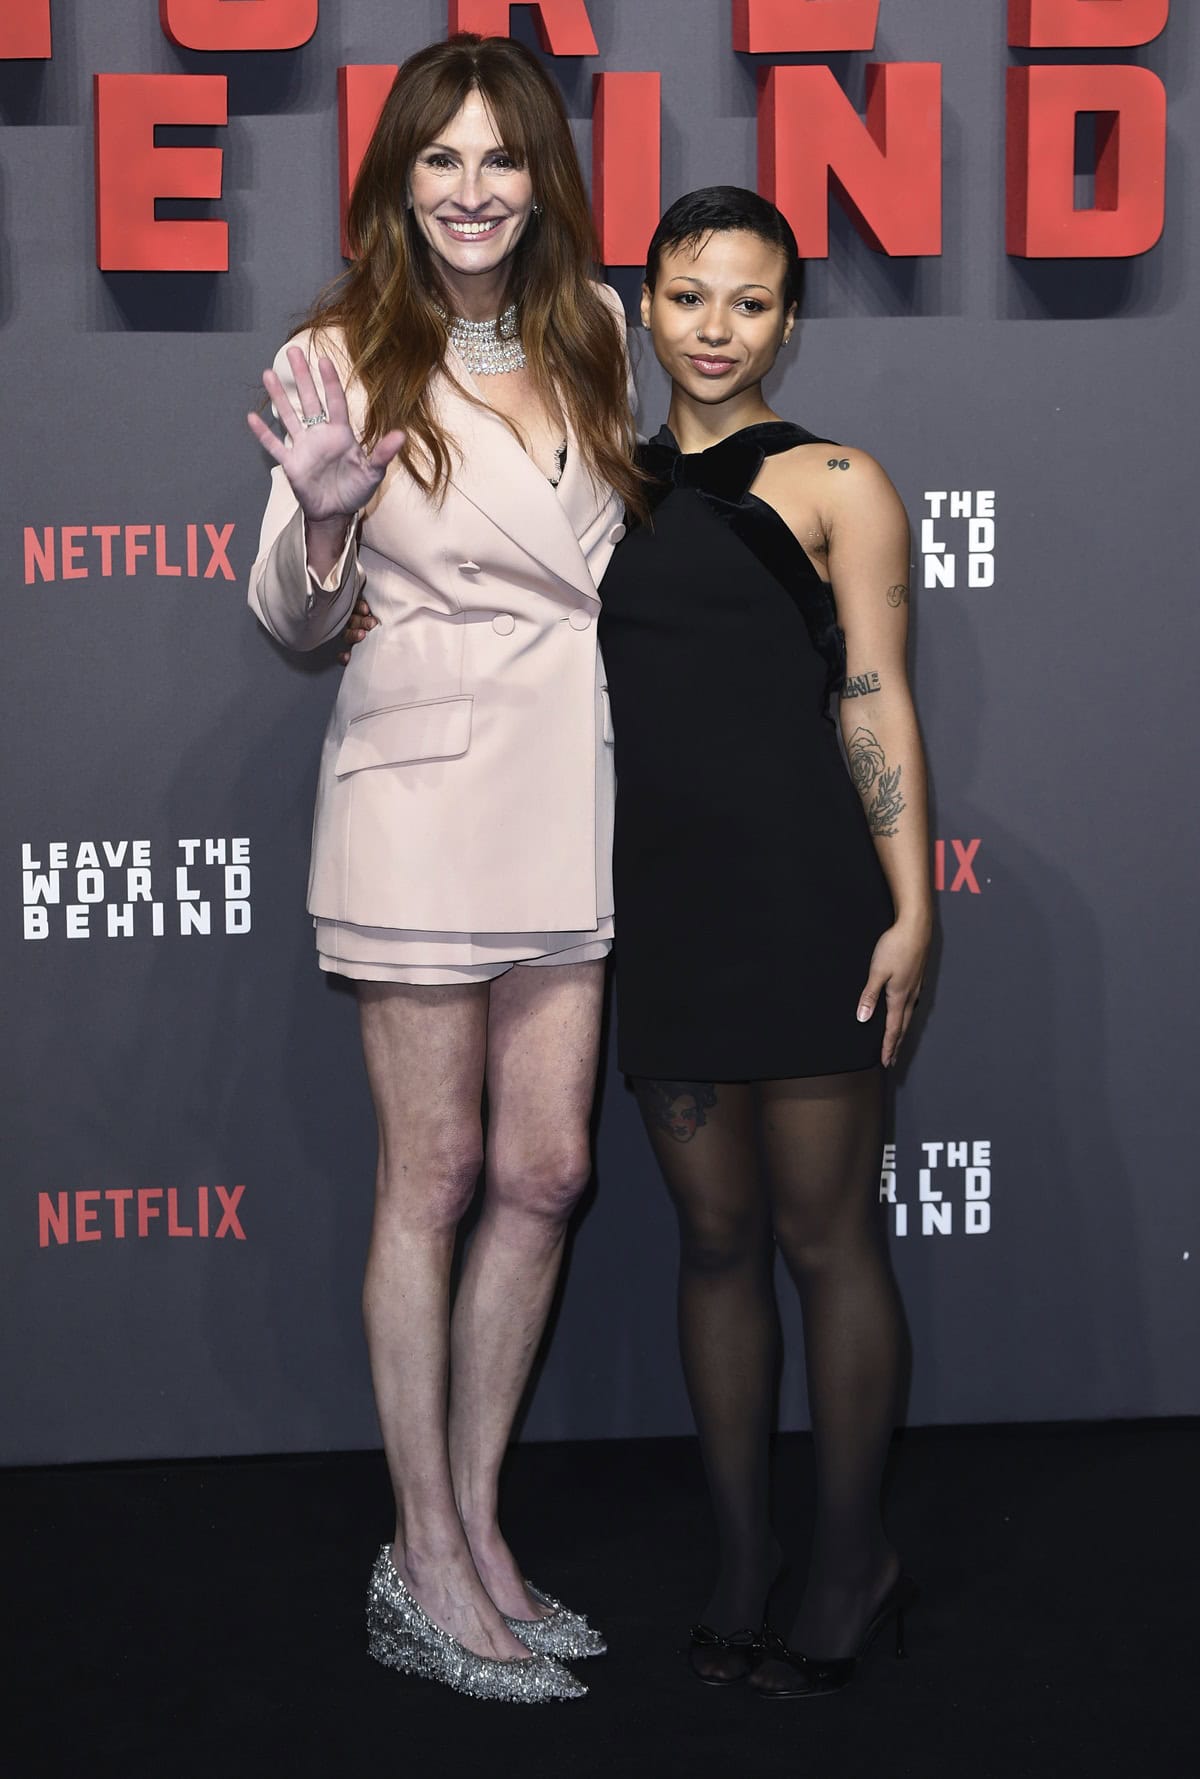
(437, 729)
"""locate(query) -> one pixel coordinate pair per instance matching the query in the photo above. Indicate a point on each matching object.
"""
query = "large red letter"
(131, 173)
(888, 174)
(774, 27)
(563, 26)
(362, 89)
(1084, 24)
(626, 164)
(1131, 162)
(25, 31)
(238, 24)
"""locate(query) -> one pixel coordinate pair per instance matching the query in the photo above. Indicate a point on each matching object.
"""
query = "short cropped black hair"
(721, 209)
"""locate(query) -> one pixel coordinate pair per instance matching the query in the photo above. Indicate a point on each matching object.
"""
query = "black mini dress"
(748, 892)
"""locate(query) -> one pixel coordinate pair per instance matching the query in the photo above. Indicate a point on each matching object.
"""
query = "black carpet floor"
(171, 1620)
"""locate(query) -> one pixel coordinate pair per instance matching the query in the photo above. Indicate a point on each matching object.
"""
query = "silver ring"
(313, 419)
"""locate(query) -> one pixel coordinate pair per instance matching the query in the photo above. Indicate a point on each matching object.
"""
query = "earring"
(537, 209)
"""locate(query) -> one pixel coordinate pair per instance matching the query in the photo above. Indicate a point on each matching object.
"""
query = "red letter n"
(53, 1219)
(25, 31)
(131, 173)
(626, 171)
(888, 173)
(1085, 24)
(1131, 161)
(777, 27)
(234, 24)
(563, 26)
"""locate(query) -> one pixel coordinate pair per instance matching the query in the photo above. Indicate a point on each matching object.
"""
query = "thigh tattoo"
(676, 1107)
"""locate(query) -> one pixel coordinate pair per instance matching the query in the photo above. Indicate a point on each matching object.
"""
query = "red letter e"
(131, 173)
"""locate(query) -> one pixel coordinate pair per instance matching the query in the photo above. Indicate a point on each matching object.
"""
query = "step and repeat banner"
(1001, 306)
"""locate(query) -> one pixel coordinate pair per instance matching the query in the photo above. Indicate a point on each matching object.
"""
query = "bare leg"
(821, 1139)
(425, 1050)
(703, 1137)
(542, 1052)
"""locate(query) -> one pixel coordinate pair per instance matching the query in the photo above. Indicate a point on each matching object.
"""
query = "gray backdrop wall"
(161, 1085)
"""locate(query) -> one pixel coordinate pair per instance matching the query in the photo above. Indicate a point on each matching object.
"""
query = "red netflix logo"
(93, 1215)
(78, 552)
(958, 871)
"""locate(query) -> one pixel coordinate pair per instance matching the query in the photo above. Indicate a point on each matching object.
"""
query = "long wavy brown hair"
(390, 303)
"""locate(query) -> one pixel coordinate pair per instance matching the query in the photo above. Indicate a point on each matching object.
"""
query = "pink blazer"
(466, 780)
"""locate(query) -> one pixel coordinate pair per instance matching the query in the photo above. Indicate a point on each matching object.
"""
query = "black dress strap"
(725, 472)
(722, 476)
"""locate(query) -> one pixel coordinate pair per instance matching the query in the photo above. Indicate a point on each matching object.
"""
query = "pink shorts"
(385, 954)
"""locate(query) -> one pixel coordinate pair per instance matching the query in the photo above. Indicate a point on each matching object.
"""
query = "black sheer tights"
(752, 1165)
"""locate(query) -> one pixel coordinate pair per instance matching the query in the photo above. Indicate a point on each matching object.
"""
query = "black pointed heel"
(815, 1675)
(746, 1645)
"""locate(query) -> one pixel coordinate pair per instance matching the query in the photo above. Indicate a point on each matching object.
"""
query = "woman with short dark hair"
(773, 917)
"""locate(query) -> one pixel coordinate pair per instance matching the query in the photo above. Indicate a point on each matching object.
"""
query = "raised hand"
(331, 475)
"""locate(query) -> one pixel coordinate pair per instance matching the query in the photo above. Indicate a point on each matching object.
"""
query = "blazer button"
(504, 623)
(580, 620)
(616, 534)
(468, 568)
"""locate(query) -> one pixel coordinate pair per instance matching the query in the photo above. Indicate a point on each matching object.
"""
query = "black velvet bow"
(723, 473)
(723, 476)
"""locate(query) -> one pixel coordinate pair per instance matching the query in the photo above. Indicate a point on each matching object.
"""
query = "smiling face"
(717, 314)
(472, 203)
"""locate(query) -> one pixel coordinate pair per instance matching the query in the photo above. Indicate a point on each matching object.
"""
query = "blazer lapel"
(503, 481)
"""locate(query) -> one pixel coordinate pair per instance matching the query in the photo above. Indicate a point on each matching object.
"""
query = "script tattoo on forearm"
(676, 1107)
(897, 595)
(857, 685)
(877, 783)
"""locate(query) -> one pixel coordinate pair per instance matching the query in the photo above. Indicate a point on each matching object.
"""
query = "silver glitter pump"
(402, 1636)
(489, 348)
(561, 1633)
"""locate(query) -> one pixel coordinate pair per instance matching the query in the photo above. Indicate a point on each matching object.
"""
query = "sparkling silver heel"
(561, 1633)
(402, 1636)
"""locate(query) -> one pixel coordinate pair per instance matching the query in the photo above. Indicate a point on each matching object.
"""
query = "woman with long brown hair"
(459, 444)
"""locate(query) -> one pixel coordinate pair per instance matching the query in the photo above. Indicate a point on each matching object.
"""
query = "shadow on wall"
(1041, 1318)
(46, 92)
(283, 1098)
(8, 288)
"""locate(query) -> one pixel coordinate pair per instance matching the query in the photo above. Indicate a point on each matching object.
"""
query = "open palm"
(330, 473)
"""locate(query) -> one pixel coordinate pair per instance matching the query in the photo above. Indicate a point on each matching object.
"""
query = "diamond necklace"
(488, 348)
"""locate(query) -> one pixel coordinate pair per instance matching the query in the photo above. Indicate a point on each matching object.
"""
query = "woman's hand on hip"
(359, 625)
(331, 475)
(897, 966)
